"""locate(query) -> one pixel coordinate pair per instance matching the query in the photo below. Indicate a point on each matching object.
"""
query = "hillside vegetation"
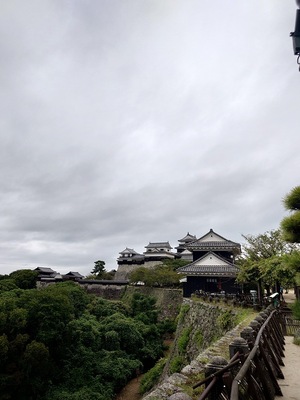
(60, 343)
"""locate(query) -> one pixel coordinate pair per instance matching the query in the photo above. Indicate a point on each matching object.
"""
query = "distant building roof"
(74, 274)
(155, 245)
(45, 270)
(128, 251)
(212, 241)
(188, 238)
(130, 255)
(210, 264)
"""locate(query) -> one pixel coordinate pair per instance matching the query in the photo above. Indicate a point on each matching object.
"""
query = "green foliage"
(296, 341)
(296, 310)
(7, 284)
(99, 271)
(102, 308)
(292, 200)
(4, 345)
(291, 225)
(60, 343)
(163, 275)
(143, 308)
(266, 245)
(176, 364)
(85, 393)
(183, 340)
(24, 278)
(175, 264)
(184, 309)
(167, 326)
(226, 320)
(151, 377)
(266, 259)
(199, 338)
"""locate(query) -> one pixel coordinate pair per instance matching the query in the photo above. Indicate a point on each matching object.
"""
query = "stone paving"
(290, 385)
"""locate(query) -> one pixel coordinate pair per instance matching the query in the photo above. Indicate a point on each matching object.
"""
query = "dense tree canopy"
(60, 343)
(22, 278)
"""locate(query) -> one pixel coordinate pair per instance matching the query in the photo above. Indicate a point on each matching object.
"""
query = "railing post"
(239, 345)
(255, 326)
(259, 319)
(216, 364)
(264, 314)
(249, 335)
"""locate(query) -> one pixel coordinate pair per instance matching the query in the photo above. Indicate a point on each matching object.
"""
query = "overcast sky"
(129, 121)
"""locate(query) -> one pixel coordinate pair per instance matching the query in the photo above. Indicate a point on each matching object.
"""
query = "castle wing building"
(213, 268)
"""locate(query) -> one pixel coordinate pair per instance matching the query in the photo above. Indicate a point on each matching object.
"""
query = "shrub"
(151, 377)
(199, 338)
(296, 309)
(183, 311)
(183, 341)
(176, 364)
(225, 320)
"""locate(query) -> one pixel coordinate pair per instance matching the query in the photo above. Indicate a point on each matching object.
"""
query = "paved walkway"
(290, 385)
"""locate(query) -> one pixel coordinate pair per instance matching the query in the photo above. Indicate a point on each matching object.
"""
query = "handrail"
(242, 372)
(258, 363)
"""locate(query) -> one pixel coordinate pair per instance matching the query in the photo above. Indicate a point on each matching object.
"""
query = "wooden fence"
(256, 361)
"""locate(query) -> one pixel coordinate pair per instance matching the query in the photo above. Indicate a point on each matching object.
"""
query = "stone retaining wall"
(207, 323)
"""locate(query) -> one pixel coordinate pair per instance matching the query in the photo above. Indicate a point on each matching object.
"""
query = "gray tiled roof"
(211, 270)
(213, 245)
(134, 257)
(158, 245)
(76, 274)
(44, 269)
(222, 244)
(188, 237)
(225, 269)
(128, 250)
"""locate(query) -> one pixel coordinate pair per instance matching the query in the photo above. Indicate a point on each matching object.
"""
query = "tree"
(60, 343)
(99, 267)
(163, 275)
(291, 225)
(264, 260)
(25, 278)
(99, 271)
(266, 245)
(7, 284)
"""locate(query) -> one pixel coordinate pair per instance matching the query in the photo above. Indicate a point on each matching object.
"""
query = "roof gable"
(210, 259)
(128, 251)
(186, 252)
(210, 264)
(212, 236)
(188, 238)
(75, 274)
(212, 241)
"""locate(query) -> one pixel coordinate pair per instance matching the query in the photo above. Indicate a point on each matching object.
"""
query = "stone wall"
(202, 332)
(110, 292)
(124, 270)
(168, 301)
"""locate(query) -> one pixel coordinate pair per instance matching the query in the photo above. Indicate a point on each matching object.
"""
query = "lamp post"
(296, 34)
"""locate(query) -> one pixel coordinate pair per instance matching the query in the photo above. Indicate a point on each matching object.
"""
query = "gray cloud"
(124, 122)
